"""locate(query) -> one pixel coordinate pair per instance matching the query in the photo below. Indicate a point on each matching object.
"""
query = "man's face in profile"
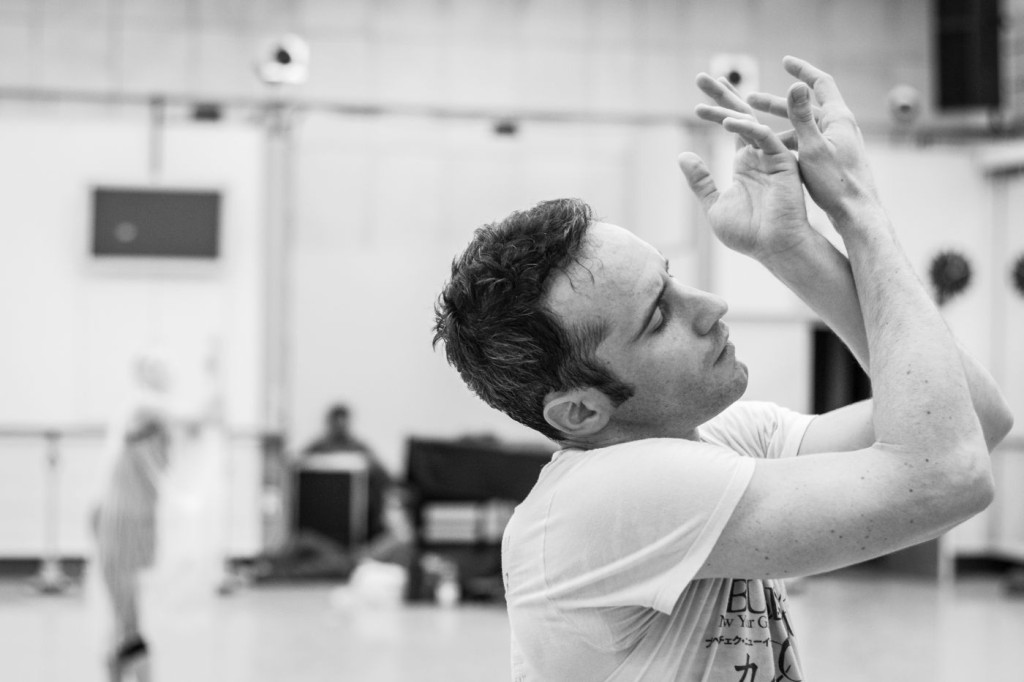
(663, 338)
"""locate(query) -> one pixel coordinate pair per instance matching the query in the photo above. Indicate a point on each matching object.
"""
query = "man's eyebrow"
(650, 311)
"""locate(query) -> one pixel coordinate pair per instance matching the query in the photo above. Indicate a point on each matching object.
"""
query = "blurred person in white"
(160, 488)
(655, 543)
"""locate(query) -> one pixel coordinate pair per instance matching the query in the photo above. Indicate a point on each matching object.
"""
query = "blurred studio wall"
(344, 197)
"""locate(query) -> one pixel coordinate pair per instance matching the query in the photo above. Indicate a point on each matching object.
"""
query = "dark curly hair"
(498, 332)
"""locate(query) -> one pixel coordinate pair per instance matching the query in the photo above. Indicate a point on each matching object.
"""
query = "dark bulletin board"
(160, 223)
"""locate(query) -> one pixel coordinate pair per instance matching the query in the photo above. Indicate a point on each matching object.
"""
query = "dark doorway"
(838, 379)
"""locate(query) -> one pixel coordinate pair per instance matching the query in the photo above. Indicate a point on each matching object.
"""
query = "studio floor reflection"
(853, 625)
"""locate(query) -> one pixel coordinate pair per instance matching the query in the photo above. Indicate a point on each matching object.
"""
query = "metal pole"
(51, 578)
(276, 259)
(231, 580)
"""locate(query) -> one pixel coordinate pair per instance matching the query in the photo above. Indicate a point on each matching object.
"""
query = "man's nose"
(711, 307)
(718, 306)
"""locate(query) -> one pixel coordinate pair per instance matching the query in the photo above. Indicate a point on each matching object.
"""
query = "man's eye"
(663, 311)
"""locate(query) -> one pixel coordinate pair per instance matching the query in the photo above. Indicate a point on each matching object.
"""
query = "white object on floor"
(374, 584)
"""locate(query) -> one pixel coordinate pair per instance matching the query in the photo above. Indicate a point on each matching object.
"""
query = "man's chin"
(742, 379)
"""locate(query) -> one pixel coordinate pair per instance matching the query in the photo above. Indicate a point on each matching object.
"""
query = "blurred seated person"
(337, 435)
(310, 554)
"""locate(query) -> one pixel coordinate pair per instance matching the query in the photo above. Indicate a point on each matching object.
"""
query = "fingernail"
(800, 95)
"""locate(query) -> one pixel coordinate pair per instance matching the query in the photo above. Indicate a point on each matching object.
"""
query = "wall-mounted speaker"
(161, 223)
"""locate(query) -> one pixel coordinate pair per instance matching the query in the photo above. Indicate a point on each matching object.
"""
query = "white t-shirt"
(599, 560)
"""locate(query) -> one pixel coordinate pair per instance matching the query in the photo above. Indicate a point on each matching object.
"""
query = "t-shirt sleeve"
(639, 521)
(758, 429)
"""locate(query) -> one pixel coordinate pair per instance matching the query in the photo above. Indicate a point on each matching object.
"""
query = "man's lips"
(725, 343)
(725, 351)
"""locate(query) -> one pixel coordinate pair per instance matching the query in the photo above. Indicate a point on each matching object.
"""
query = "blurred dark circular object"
(1018, 275)
(506, 127)
(950, 274)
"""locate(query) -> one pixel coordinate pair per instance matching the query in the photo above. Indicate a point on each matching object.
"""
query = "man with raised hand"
(653, 545)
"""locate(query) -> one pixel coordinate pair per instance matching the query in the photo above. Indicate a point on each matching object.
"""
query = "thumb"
(801, 115)
(699, 178)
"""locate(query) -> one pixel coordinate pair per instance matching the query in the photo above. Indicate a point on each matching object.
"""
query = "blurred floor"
(852, 625)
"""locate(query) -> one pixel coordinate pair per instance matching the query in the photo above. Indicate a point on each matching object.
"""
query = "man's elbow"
(997, 423)
(979, 490)
(969, 486)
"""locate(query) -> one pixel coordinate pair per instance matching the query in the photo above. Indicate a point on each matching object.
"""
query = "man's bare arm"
(928, 468)
(821, 276)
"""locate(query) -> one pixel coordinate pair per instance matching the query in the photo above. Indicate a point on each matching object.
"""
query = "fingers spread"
(770, 104)
(727, 84)
(775, 105)
(699, 178)
(757, 134)
(798, 104)
(720, 90)
(801, 115)
(822, 83)
(790, 140)
(717, 114)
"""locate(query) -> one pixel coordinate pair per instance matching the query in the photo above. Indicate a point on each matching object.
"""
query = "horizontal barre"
(96, 431)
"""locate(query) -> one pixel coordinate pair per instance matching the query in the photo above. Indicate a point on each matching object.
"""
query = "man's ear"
(579, 412)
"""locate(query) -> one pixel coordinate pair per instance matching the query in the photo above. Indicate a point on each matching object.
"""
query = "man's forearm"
(820, 275)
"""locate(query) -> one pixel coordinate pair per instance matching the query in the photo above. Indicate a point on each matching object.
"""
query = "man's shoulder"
(745, 414)
(756, 428)
(748, 409)
(638, 467)
(628, 453)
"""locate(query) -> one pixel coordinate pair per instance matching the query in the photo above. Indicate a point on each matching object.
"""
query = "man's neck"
(610, 436)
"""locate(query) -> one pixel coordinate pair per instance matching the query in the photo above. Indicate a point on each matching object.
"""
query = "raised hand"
(832, 159)
(762, 214)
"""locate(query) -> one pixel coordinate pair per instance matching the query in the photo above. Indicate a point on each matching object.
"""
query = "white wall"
(592, 55)
(72, 321)
(383, 203)
(1004, 530)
